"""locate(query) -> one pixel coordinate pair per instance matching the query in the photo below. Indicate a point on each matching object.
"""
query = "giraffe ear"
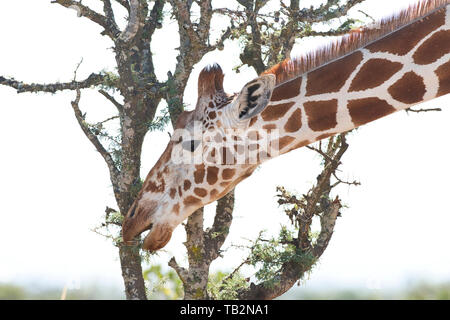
(255, 96)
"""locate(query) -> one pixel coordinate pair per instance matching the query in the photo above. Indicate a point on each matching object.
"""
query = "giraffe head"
(211, 150)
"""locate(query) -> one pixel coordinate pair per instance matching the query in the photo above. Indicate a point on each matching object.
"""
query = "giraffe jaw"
(156, 238)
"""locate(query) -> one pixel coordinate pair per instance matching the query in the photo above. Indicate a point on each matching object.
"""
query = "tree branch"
(422, 110)
(110, 29)
(134, 22)
(325, 11)
(93, 80)
(112, 100)
(124, 4)
(114, 172)
(181, 272)
(217, 234)
(107, 9)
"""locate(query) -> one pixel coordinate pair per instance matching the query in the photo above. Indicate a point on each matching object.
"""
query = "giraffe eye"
(190, 145)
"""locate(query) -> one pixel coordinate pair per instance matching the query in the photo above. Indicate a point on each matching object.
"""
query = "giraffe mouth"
(157, 237)
(157, 233)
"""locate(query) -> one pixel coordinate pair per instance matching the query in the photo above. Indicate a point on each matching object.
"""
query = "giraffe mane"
(355, 39)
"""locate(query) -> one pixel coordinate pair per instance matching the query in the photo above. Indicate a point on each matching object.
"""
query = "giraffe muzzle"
(140, 219)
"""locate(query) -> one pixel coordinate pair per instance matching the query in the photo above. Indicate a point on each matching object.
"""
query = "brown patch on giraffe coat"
(211, 105)
(212, 175)
(373, 73)
(199, 173)
(253, 120)
(153, 187)
(321, 114)
(186, 185)
(402, 41)
(200, 192)
(228, 173)
(275, 112)
(176, 209)
(211, 157)
(172, 193)
(287, 90)
(269, 127)
(212, 115)
(213, 192)
(443, 73)
(409, 89)
(433, 48)
(294, 122)
(283, 142)
(325, 135)
(300, 144)
(191, 200)
(332, 76)
(368, 109)
(180, 192)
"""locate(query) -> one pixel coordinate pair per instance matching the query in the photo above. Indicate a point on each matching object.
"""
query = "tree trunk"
(130, 262)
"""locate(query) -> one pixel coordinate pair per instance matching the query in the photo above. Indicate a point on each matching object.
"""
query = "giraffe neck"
(408, 66)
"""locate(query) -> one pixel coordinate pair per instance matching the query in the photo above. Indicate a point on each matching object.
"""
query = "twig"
(111, 99)
(422, 110)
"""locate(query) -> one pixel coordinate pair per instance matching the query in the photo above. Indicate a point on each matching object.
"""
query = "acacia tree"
(267, 37)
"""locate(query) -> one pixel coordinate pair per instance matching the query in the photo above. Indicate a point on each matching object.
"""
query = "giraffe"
(363, 76)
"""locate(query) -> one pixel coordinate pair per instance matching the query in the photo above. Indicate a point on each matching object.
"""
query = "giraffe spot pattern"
(199, 173)
(172, 193)
(409, 89)
(275, 112)
(443, 74)
(212, 115)
(153, 187)
(402, 41)
(321, 114)
(332, 76)
(212, 175)
(176, 209)
(186, 185)
(433, 48)
(200, 192)
(282, 142)
(213, 192)
(373, 73)
(368, 109)
(228, 173)
(269, 127)
(294, 123)
(191, 200)
(325, 135)
(287, 90)
(300, 144)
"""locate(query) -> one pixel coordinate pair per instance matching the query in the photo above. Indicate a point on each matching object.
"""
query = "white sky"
(55, 186)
